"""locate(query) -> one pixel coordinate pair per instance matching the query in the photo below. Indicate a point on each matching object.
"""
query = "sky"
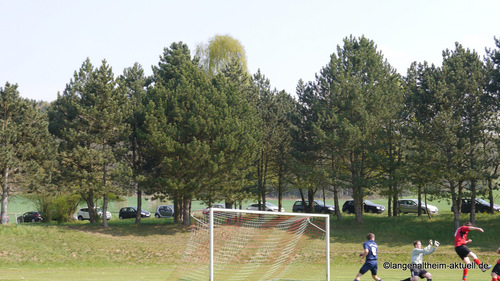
(42, 43)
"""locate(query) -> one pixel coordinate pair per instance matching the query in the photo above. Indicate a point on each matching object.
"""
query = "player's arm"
(363, 255)
(476, 228)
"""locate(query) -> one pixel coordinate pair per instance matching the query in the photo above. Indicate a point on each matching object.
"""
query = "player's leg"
(374, 270)
(427, 275)
(466, 270)
(495, 272)
(478, 262)
(474, 258)
(362, 271)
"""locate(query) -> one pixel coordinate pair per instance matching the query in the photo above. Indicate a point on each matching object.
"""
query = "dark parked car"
(319, 207)
(164, 211)
(482, 206)
(368, 207)
(30, 217)
(130, 212)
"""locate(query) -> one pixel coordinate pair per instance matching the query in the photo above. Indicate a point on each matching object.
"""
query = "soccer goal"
(230, 244)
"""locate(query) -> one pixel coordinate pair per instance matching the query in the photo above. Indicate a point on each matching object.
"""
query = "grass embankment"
(82, 251)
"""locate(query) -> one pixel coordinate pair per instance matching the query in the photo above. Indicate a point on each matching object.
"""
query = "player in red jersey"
(495, 272)
(463, 252)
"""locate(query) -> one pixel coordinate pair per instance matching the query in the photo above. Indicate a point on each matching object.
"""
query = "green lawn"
(83, 251)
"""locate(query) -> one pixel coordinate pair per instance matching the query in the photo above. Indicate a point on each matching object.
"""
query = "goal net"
(232, 244)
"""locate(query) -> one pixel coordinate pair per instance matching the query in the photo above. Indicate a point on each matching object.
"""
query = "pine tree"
(89, 118)
(362, 90)
(132, 83)
(26, 147)
(196, 129)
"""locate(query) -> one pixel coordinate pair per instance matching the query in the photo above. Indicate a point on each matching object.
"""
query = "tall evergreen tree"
(420, 84)
(306, 166)
(363, 90)
(492, 146)
(132, 83)
(89, 118)
(464, 75)
(195, 127)
(26, 148)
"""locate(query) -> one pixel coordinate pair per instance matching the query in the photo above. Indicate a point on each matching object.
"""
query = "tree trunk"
(336, 202)
(473, 202)
(5, 196)
(395, 197)
(186, 209)
(139, 205)
(89, 199)
(357, 195)
(419, 203)
(105, 210)
(454, 200)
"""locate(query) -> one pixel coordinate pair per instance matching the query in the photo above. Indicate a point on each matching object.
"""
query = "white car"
(83, 213)
(411, 206)
(269, 207)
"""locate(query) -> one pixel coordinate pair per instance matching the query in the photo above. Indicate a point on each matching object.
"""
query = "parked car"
(319, 207)
(164, 211)
(368, 207)
(406, 206)
(131, 212)
(269, 207)
(83, 213)
(30, 217)
(482, 206)
(206, 211)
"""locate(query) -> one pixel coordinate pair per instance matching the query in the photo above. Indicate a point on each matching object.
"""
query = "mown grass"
(125, 251)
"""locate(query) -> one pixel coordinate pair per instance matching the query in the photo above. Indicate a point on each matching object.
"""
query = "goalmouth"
(230, 244)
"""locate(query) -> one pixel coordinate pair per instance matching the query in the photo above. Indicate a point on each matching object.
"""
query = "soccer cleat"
(484, 268)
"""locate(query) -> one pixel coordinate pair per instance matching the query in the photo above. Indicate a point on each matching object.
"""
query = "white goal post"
(266, 213)
(231, 244)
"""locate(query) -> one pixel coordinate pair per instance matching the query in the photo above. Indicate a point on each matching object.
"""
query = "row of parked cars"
(163, 211)
(405, 206)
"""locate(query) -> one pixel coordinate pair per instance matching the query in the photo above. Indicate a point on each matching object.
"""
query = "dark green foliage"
(89, 118)
(196, 129)
(358, 96)
(27, 150)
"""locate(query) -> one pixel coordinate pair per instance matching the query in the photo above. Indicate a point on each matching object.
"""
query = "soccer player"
(370, 253)
(417, 256)
(495, 272)
(463, 252)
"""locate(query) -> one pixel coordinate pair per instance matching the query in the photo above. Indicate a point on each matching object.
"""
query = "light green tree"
(216, 55)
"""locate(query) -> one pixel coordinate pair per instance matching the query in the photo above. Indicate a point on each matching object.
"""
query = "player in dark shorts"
(495, 272)
(371, 254)
(463, 252)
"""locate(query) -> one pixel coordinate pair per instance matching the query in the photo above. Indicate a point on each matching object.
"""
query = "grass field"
(83, 251)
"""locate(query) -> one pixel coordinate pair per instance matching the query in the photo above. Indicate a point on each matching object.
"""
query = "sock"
(498, 277)
(477, 261)
(466, 270)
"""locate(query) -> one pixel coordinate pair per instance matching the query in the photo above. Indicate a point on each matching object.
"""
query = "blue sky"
(42, 43)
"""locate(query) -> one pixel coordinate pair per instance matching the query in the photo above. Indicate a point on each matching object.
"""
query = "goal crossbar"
(211, 232)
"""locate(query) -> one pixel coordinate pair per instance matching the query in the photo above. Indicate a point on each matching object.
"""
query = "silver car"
(269, 207)
(411, 206)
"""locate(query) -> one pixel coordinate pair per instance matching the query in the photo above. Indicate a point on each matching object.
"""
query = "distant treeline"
(201, 127)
